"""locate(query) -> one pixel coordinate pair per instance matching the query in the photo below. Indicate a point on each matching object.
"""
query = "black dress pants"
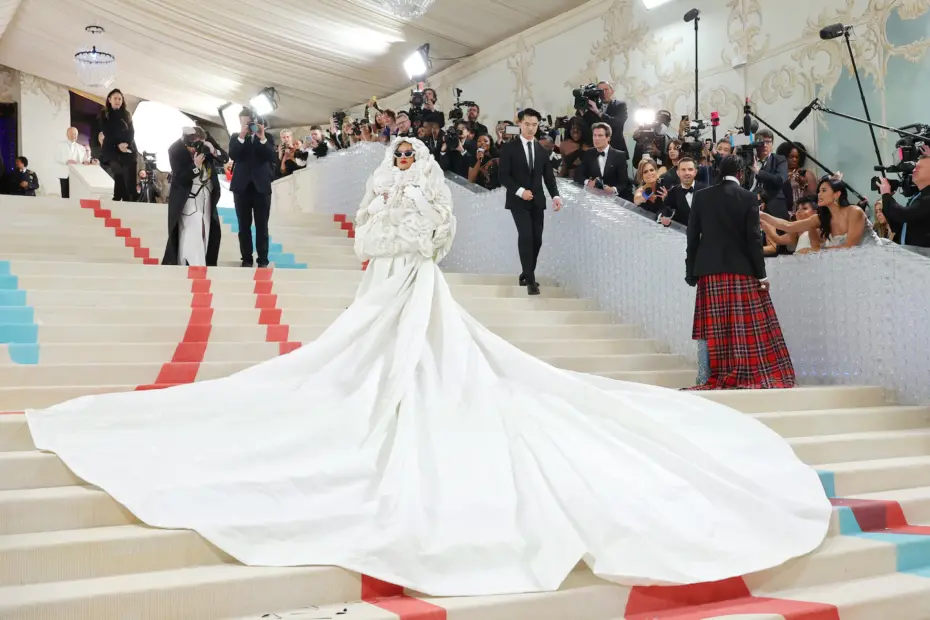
(123, 171)
(248, 203)
(65, 188)
(529, 221)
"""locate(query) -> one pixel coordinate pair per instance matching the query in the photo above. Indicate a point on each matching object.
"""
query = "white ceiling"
(320, 55)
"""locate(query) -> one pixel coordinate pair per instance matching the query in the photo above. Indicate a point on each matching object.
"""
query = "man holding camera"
(524, 168)
(915, 217)
(605, 167)
(476, 128)
(193, 222)
(771, 172)
(255, 157)
(454, 151)
(609, 111)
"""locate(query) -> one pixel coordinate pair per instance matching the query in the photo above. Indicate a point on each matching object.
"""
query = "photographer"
(476, 128)
(193, 222)
(914, 218)
(608, 110)
(454, 152)
(316, 143)
(771, 176)
(431, 107)
(255, 157)
(291, 157)
(653, 137)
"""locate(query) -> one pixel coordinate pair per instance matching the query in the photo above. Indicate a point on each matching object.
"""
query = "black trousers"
(248, 203)
(529, 221)
(123, 171)
(65, 188)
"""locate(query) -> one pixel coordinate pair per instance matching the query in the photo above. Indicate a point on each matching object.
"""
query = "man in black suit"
(523, 168)
(612, 112)
(677, 201)
(771, 172)
(605, 166)
(254, 155)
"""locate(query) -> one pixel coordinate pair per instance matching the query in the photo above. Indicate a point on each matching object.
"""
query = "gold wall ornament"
(912, 9)
(519, 65)
(784, 83)
(744, 31)
(723, 100)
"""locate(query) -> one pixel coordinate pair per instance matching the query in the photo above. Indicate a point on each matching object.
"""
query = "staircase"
(81, 313)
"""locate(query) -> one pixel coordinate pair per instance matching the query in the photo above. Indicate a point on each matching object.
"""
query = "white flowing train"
(411, 444)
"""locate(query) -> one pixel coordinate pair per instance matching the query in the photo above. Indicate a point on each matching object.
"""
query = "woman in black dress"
(118, 150)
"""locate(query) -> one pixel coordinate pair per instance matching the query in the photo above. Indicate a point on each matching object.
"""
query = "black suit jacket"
(514, 172)
(772, 179)
(916, 215)
(724, 235)
(675, 205)
(254, 163)
(614, 115)
(616, 171)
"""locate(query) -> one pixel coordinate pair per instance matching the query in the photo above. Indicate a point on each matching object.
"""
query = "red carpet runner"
(138, 250)
(189, 353)
(270, 315)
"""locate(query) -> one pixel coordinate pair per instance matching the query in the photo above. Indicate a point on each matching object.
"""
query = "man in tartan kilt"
(733, 312)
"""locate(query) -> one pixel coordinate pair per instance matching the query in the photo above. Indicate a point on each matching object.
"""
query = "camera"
(452, 138)
(584, 94)
(457, 112)
(339, 117)
(907, 152)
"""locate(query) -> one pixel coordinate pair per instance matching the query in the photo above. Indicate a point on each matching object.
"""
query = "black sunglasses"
(403, 153)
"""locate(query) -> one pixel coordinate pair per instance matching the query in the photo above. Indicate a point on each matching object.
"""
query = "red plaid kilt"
(746, 346)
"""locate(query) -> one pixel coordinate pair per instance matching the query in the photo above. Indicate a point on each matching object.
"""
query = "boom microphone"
(747, 119)
(804, 114)
(834, 31)
(691, 15)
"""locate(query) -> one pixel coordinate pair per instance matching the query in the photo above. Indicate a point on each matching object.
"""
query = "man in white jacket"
(69, 152)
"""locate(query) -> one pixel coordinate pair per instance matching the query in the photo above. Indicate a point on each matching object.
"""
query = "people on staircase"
(733, 312)
(410, 443)
(70, 151)
(25, 180)
(118, 148)
(254, 153)
(193, 221)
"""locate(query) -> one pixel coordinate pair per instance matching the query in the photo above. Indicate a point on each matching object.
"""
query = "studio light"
(644, 116)
(264, 102)
(417, 64)
(651, 4)
(230, 115)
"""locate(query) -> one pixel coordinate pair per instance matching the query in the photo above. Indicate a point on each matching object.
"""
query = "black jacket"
(616, 170)
(614, 115)
(916, 215)
(771, 180)
(724, 234)
(514, 173)
(254, 163)
(31, 180)
(676, 204)
(182, 181)
(117, 129)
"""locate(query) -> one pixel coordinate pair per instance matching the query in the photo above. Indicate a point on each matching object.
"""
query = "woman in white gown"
(411, 444)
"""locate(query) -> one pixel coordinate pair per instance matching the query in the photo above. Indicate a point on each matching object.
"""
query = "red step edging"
(270, 315)
(125, 233)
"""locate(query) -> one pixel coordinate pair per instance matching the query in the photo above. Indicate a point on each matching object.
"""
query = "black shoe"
(532, 288)
(262, 265)
(246, 263)
(522, 280)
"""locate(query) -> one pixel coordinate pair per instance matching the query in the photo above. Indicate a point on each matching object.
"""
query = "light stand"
(801, 150)
(695, 16)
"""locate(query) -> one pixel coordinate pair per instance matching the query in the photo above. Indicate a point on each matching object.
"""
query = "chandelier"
(407, 9)
(95, 68)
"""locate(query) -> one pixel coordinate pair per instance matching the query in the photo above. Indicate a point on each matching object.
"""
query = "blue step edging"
(276, 253)
(18, 328)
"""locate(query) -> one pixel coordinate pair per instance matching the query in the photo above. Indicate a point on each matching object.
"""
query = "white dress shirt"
(690, 195)
(68, 150)
(526, 156)
(602, 159)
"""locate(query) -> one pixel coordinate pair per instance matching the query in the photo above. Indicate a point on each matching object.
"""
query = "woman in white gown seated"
(411, 444)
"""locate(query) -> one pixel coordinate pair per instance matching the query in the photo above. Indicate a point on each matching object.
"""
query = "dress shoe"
(262, 265)
(246, 263)
(522, 280)
(532, 288)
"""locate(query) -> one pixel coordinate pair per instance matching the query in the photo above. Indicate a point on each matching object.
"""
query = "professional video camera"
(691, 143)
(452, 138)
(147, 192)
(416, 113)
(457, 113)
(907, 152)
(586, 93)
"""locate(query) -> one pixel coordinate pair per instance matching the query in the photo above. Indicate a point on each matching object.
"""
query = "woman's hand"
(124, 147)
(198, 160)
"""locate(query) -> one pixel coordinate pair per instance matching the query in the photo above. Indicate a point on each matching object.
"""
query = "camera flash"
(644, 116)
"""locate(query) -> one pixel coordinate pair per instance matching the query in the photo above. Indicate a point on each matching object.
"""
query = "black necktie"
(529, 154)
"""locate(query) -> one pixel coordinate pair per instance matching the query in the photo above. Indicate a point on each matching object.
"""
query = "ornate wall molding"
(519, 65)
(55, 94)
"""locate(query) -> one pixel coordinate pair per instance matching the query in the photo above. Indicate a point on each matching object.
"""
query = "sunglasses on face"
(403, 153)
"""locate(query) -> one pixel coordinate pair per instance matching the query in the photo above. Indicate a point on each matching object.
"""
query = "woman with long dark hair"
(838, 223)
(118, 148)
(802, 180)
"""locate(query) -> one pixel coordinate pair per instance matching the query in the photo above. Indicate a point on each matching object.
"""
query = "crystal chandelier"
(407, 9)
(96, 68)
